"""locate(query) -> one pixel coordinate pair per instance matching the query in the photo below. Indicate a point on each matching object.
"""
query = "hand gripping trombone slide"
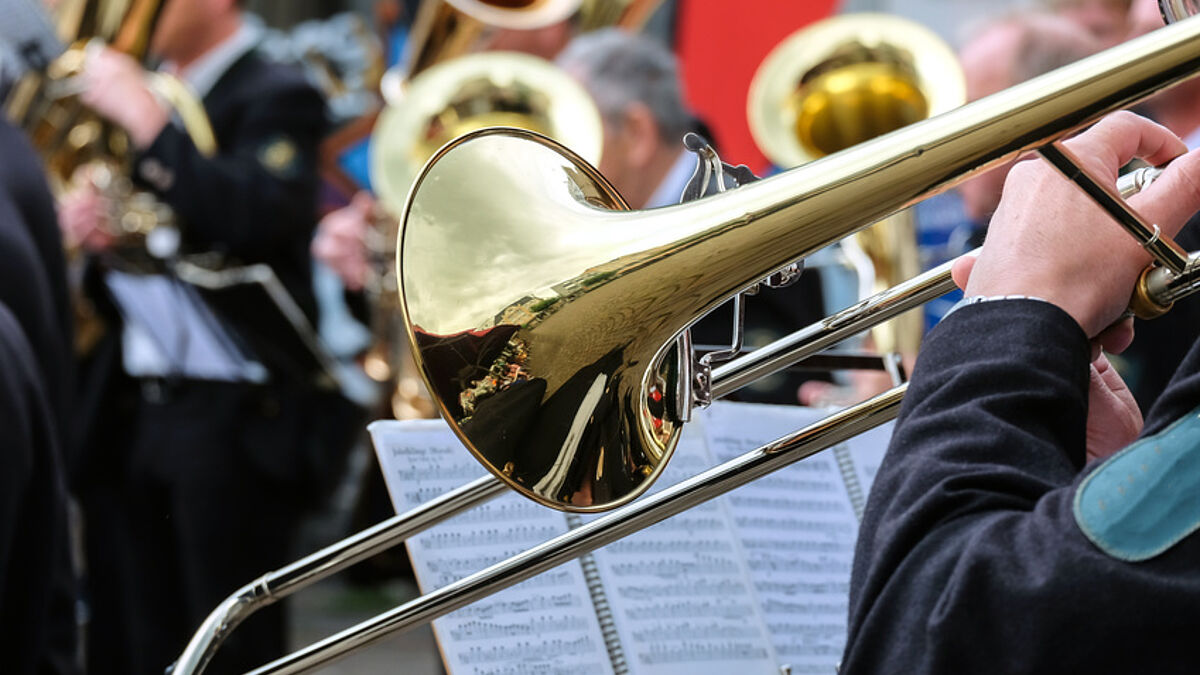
(756, 229)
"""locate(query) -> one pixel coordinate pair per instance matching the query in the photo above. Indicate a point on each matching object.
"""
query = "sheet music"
(797, 528)
(680, 593)
(546, 625)
(868, 449)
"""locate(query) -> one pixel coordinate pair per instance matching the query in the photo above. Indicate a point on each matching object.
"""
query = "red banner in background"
(720, 45)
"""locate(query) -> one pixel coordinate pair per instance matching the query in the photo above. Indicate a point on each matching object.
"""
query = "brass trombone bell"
(848, 79)
(543, 317)
(473, 92)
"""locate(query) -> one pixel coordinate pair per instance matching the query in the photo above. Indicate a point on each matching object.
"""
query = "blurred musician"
(1107, 20)
(38, 592)
(636, 84)
(32, 511)
(987, 545)
(1008, 52)
(205, 443)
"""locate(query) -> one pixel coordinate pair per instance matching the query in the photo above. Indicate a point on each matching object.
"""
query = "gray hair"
(620, 68)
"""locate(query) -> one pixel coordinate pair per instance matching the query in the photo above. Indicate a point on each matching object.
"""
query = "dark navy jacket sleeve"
(970, 559)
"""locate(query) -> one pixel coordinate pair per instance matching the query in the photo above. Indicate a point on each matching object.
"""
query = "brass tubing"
(670, 266)
(827, 332)
(281, 583)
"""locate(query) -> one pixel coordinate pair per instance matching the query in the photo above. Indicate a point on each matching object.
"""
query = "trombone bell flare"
(566, 424)
(539, 310)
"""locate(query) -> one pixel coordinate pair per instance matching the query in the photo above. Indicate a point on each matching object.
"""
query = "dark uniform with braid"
(195, 487)
(986, 549)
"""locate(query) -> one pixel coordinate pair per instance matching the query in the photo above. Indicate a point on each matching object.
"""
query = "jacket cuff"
(1030, 332)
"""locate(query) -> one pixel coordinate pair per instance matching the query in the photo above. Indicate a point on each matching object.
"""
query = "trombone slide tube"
(281, 583)
(831, 330)
(602, 531)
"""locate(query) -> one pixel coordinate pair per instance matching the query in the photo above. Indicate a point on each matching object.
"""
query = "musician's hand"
(340, 242)
(1049, 240)
(115, 86)
(83, 218)
(1114, 419)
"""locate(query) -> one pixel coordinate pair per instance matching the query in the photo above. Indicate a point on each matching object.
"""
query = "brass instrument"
(473, 92)
(624, 14)
(443, 102)
(447, 29)
(447, 87)
(842, 81)
(69, 137)
(520, 218)
(443, 30)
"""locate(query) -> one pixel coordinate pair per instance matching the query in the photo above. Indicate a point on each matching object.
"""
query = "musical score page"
(681, 597)
(867, 450)
(747, 583)
(797, 528)
(546, 625)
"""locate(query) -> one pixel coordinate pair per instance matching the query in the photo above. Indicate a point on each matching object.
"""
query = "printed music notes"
(548, 621)
(746, 583)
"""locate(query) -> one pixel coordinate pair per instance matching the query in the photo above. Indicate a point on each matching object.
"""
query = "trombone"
(666, 267)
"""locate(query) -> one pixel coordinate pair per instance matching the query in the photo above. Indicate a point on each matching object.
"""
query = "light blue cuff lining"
(1146, 498)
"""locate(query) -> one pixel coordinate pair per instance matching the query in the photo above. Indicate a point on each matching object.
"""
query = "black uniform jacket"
(970, 558)
(256, 200)
(32, 506)
(33, 280)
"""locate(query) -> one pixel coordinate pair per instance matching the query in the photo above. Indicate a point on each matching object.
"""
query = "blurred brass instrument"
(842, 81)
(447, 88)
(70, 137)
(518, 256)
(624, 14)
(444, 30)
(444, 102)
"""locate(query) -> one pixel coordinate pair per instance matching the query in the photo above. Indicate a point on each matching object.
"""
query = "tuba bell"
(843, 81)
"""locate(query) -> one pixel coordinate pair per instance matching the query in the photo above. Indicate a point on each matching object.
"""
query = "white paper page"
(797, 529)
(545, 625)
(681, 596)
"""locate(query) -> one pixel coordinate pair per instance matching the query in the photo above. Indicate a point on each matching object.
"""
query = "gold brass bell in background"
(843, 81)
